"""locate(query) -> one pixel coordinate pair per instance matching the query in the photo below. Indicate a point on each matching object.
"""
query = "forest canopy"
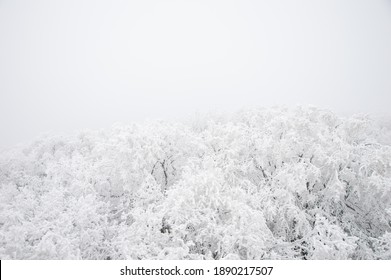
(276, 183)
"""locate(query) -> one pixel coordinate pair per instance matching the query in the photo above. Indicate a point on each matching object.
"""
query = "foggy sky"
(71, 65)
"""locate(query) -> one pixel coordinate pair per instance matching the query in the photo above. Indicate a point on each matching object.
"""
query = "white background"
(42, 270)
(70, 65)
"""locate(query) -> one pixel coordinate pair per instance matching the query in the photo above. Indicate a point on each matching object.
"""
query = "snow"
(276, 183)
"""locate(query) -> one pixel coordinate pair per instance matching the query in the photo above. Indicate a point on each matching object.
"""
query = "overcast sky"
(70, 65)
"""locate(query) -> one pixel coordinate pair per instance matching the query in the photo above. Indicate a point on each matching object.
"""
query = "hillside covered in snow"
(263, 184)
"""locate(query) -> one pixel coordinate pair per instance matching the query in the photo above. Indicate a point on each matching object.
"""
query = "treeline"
(263, 184)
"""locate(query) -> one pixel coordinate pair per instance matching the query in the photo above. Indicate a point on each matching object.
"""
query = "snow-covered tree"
(261, 184)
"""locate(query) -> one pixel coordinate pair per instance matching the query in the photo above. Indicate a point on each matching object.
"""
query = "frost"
(260, 184)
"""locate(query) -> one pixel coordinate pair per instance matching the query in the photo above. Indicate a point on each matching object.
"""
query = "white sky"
(70, 65)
